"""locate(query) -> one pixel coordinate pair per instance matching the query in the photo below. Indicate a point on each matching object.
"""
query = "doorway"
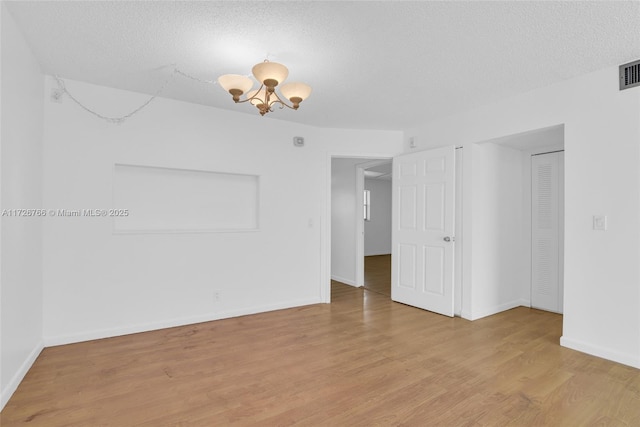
(347, 221)
(345, 213)
(376, 231)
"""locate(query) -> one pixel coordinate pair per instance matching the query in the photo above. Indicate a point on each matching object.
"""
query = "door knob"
(448, 239)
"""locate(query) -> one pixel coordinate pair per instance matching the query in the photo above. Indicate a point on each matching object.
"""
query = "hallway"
(377, 274)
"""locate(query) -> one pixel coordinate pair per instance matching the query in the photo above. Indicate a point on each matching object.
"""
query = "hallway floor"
(377, 274)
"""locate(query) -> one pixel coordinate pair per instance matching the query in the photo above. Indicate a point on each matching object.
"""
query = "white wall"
(98, 283)
(498, 262)
(602, 130)
(377, 232)
(22, 86)
(344, 214)
(527, 144)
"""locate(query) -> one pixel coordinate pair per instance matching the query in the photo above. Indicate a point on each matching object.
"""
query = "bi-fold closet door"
(547, 231)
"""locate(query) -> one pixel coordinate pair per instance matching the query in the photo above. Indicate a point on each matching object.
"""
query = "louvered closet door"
(547, 231)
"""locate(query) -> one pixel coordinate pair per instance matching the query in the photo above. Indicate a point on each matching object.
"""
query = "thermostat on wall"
(298, 141)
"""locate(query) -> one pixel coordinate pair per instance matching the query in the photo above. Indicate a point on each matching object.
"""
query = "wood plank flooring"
(377, 274)
(361, 361)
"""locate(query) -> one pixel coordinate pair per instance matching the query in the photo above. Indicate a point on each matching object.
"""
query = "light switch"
(600, 222)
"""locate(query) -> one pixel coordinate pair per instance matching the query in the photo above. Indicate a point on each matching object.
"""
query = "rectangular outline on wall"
(185, 230)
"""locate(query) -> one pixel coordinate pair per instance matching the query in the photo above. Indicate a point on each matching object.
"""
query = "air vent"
(630, 75)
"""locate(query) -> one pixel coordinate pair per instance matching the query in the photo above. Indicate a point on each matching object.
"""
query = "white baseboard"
(343, 280)
(15, 381)
(632, 360)
(489, 311)
(378, 254)
(171, 323)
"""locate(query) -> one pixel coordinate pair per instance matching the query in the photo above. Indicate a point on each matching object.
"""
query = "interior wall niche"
(148, 199)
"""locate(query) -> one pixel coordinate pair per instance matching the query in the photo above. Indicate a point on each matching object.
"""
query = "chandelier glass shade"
(269, 75)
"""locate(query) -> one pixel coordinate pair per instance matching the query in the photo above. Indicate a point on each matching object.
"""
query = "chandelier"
(269, 75)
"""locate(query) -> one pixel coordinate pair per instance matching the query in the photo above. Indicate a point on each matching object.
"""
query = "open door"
(422, 261)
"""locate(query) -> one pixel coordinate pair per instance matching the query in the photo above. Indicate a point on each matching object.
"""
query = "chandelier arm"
(251, 98)
(286, 105)
(244, 100)
(255, 96)
(282, 103)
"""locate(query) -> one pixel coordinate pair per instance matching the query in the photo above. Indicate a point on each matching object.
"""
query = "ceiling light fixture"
(269, 75)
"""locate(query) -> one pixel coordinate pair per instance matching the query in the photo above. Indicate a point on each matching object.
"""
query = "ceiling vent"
(630, 75)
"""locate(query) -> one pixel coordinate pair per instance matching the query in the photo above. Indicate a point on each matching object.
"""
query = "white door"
(547, 230)
(423, 223)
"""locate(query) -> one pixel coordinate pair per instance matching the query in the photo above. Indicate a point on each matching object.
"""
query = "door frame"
(528, 210)
(359, 222)
(325, 222)
(464, 215)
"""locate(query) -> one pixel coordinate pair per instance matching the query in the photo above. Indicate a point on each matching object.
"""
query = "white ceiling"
(382, 171)
(375, 65)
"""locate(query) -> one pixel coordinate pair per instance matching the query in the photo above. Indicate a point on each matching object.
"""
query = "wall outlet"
(217, 295)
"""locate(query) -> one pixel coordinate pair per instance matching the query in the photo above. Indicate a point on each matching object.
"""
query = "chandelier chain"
(121, 119)
(177, 71)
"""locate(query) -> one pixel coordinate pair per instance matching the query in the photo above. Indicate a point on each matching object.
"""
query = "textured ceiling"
(376, 65)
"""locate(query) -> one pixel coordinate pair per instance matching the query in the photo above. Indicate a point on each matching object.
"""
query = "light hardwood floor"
(377, 274)
(361, 361)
